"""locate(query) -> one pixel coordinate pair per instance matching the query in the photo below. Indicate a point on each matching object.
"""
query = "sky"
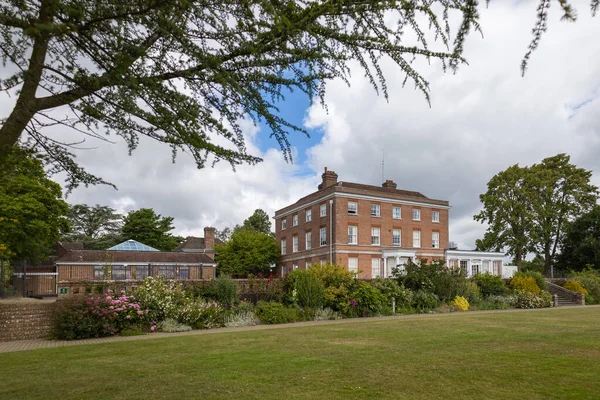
(482, 119)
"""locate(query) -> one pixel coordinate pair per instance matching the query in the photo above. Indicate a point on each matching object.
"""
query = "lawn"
(509, 355)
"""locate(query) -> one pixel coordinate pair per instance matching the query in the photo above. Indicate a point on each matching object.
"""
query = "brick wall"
(22, 321)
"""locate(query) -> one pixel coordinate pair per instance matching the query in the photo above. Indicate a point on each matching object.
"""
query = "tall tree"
(580, 246)
(95, 221)
(31, 208)
(506, 210)
(120, 66)
(147, 227)
(559, 193)
(248, 252)
(224, 234)
(258, 222)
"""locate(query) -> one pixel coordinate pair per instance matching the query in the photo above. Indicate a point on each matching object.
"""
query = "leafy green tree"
(224, 234)
(120, 66)
(31, 208)
(258, 222)
(98, 227)
(248, 252)
(147, 227)
(580, 246)
(506, 209)
(537, 264)
(559, 193)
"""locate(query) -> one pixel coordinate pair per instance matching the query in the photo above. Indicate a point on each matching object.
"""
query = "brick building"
(369, 229)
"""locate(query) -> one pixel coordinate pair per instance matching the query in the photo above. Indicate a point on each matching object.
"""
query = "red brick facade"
(339, 247)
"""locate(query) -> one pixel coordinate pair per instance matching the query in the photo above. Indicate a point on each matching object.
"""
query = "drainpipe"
(331, 231)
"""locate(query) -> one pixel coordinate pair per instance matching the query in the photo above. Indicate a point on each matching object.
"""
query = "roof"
(364, 190)
(71, 245)
(129, 256)
(193, 243)
(132, 245)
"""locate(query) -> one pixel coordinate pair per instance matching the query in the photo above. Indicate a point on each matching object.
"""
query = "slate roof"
(193, 243)
(119, 256)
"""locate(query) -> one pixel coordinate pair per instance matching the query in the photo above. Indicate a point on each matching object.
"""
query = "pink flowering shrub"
(81, 317)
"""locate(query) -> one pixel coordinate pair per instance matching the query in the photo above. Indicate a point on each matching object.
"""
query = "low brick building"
(370, 229)
(206, 244)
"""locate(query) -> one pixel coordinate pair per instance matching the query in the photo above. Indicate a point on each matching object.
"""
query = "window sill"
(416, 220)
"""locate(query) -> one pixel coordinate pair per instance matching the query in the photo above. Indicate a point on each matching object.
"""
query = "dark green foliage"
(590, 280)
(424, 301)
(258, 222)
(393, 292)
(432, 277)
(31, 208)
(275, 313)
(97, 227)
(248, 252)
(490, 285)
(226, 291)
(580, 245)
(536, 265)
(147, 227)
(367, 301)
(306, 289)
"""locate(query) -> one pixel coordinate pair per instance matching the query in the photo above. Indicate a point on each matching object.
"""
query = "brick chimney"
(329, 179)
(389, 184)
(209, 237)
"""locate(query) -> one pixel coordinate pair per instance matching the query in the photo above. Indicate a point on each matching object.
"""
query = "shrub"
(162, 298)
(242, 318)
(200, 314)
(432, 277)
(226, 291)
(391, 290)
(307, 289)
(275, 313)
(424, 301)
(460, 303)
(490, 285)
(171, 325)
(537, 276)
(366, 301)
(575, 286)
(338, 283)
(525, 284)
(533, 300)
(469, 290)
(590, 280)
(325, 314)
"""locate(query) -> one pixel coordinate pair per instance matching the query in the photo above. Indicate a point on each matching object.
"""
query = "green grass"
(509, 355)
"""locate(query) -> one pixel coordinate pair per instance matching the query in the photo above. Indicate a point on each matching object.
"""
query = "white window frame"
(295, 220)
(435, 216)
(375, 234)
(283, 270)
(294, 266)
(352, 208)
(397, 215)
(295, 244)
(308, 216)
(308, 240)
(323, 236)
(308, 264)
(416, 238)
(399, 237)
(375, 210)
(283, 246)
(283, 224)
(375, 267)
(352, 234)
(323, 210)
(353, 264)
(416, 214)
(435, 240)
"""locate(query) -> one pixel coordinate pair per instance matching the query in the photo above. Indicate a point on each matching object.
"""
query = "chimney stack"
(389, 184)
(329, 179)
(209, 238)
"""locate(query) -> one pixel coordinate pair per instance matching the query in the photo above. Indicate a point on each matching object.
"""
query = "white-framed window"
(435, 240)
(352, 207)
(283, 270)
(308, 265)
(397, 213)
(294, 244)
(495, 267)
(396, 237)
(463, 265)
(375, 232)
(308, 240)
(375, 210)
(323, 262)
(375, 267)
(295, 220)
(352, 235)
(416, 238)
(283, 246)
(323, 236)
(486, 267)
(416, 214)
(283, 224)
(308, 215)
(353, 264)
(294, 266)
(323, 210)
(435, 216)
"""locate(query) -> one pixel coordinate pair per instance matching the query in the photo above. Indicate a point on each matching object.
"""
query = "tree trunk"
(519, 258)
(14, 126)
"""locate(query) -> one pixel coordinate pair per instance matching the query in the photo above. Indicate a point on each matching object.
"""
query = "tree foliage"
(247, 252)
(258, 222)
(581, 242)
(31, 208)
(527, 207)
(147, 227)
(97, 227)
